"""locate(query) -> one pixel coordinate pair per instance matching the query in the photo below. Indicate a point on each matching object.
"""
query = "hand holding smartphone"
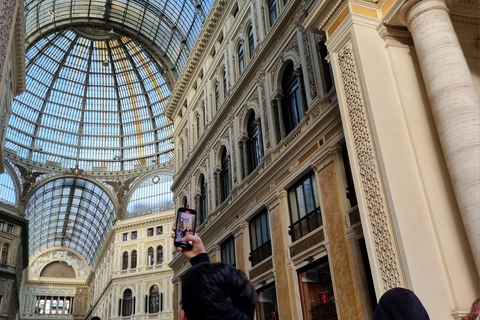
(184, 225)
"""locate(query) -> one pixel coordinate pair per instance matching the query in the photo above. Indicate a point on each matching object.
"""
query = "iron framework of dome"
(99, 75)
(91, 103)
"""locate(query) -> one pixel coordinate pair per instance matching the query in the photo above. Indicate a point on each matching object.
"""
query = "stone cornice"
(197, 51)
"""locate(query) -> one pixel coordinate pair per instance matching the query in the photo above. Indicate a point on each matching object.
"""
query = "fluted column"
(455, 106)
(301, 84)
(260, 134)
(277, 103)
(246, 166)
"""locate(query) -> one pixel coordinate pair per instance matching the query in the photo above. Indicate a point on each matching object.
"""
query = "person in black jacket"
(214, 290)
(400, 304)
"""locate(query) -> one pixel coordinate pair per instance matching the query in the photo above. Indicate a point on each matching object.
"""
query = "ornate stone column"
(218, 188)
(258, 121)
(243, 141)
(301, 85)
(277, 104)
(455, 106)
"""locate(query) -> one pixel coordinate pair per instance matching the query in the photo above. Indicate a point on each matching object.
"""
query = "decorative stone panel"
(387, 257)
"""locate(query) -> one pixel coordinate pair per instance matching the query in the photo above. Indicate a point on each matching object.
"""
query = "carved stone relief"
(364, 151)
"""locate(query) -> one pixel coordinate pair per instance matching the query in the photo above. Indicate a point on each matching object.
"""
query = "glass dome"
(94, 101)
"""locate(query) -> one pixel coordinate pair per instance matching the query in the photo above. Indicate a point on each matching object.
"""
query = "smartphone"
(185, 224)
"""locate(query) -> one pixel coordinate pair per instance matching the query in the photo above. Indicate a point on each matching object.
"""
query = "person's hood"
(400, 304)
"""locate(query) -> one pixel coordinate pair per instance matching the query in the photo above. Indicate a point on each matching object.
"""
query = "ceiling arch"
(71, 213)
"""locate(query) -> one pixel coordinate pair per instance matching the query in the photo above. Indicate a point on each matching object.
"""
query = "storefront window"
(267, 308)
(316, 289)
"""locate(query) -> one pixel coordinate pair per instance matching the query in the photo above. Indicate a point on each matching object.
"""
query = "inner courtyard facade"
(330, 149)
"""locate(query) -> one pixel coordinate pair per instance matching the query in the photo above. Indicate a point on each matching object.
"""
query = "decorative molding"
(383, 241)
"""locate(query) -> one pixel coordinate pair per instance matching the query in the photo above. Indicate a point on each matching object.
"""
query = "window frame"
(260, 238)
(304, 206)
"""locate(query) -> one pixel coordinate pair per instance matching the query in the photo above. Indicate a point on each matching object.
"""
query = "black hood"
(400, 304)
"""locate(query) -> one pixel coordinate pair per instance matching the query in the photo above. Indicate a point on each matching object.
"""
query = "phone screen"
(185, 225)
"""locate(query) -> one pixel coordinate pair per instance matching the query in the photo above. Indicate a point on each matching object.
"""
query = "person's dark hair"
(400, 304)
(217, 291)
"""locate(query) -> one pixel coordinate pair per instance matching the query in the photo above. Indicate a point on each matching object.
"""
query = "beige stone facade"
(404, 106)
(74, 290)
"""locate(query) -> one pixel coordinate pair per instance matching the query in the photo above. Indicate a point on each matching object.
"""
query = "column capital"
(412, 9)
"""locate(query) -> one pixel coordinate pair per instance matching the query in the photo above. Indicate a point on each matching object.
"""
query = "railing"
(306, 224)
(261, 253)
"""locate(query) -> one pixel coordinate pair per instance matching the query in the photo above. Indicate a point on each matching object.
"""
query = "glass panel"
(267, 307)
(317, 292)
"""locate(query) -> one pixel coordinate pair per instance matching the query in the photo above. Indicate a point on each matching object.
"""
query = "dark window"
(217, 96)
(9, 228)
(305, 214)
(225, 176)
(127, 308)
(150, 232)
(5, 253)
(241, 59)
(260, 243)
(317, 291)
(251, 41)
(203, 200)
(125, 261)
(253, 144)
(159, 255)
(198, 126)
(154, 300)
(228, 251)
(204, 116)
(134, 235)
(267, 307)
(1, 225)
(133, 264)
(272, 11)
(351, 195)
(125, 236)
(150, 256)
(185, 202)
(292, 102)
(224, 83)
(160, 230)
(326, 67)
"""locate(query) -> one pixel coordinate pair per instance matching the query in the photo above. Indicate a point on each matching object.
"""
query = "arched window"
(125, 261)
(224, 77)
(241, 59)
(217, 96)
(272, 11)
(154, 300)
(5, 253)
(185, 202)
(251, 41)
(253, 144)
(150, 256)
(159, 255)
(292, 102)
(127, 303)
(133, 263)
(224, 176)
(202, 210)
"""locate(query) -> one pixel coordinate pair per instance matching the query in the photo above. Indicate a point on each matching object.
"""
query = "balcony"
(306, 224)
